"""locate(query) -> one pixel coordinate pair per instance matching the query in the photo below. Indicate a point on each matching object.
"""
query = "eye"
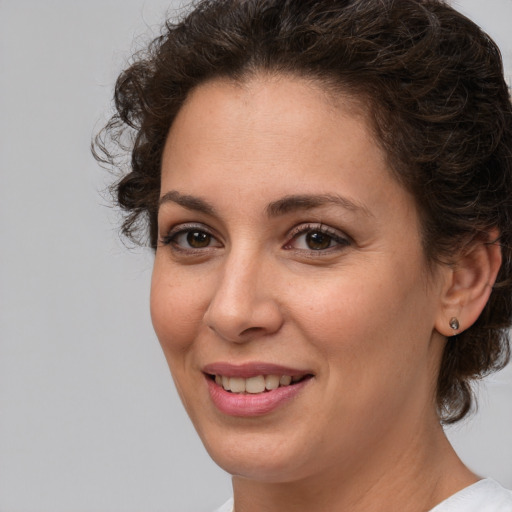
(194, 239)
(316, 238)
(190, 238)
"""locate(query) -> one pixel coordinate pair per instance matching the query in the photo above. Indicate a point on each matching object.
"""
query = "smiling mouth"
(256, 384)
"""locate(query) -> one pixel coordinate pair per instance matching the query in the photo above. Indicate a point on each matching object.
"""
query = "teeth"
(272, 382)
(285, 380)
(237, 384)
(257, 384)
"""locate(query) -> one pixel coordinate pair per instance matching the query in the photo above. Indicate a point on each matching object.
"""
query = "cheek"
(344, 305)
(176, 311)
(374, 323)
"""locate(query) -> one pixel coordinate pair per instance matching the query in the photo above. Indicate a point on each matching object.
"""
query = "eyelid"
(178, 229)
(338, 236)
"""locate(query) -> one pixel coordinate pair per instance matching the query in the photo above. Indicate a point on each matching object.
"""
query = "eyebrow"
(294, 203)
(189, 202)
(287, 204)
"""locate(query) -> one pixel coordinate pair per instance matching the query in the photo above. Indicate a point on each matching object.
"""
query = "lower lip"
(247, 404)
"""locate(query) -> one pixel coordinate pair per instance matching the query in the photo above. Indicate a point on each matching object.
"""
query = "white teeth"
(285, 380)
(237, 384)
(272, 382)
(256, 384)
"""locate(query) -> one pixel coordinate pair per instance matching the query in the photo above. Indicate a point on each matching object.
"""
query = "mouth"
(256, 384)
(254, 389)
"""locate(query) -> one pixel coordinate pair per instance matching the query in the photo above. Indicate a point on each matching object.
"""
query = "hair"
(436, 97)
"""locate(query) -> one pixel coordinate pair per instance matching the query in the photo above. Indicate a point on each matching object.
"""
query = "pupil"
(317, 240)
(198, 239)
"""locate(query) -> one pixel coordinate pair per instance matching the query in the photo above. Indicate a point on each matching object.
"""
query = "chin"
(259, 456)
(262, 467)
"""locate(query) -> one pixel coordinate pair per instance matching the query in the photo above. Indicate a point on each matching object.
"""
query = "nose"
(244, 306)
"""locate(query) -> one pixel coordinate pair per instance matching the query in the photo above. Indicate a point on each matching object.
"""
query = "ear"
(469, 284)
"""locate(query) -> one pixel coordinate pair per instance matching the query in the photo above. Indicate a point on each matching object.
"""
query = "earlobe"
(469, 286)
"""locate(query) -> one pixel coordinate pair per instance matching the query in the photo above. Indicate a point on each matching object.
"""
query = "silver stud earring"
(454, 323)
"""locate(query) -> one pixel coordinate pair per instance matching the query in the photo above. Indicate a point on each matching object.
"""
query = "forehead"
(267, 121)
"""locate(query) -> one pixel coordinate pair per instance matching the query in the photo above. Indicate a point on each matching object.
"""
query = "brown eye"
(198, 239)
(190, 238)
(317, 241)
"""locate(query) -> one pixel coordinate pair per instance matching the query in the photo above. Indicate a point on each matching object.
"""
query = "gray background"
(89, 419)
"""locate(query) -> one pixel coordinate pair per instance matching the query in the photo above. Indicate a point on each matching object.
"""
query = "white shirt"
(227, 507)
(483, 496)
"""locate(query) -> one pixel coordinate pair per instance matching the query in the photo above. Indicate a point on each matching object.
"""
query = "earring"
(454, 323)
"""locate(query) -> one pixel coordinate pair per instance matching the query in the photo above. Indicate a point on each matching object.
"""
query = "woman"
(327, 187)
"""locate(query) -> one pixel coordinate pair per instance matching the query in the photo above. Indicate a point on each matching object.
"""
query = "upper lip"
(252, 369)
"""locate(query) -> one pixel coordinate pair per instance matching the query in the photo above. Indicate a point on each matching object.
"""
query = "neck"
(415, 478)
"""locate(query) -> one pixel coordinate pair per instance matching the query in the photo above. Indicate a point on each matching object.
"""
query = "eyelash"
(172, 238)
(336, 239)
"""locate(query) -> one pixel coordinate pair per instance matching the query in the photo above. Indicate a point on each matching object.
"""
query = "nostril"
(251, 330)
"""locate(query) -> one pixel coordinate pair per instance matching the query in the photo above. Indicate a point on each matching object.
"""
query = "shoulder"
(483, 496)
(227, 507)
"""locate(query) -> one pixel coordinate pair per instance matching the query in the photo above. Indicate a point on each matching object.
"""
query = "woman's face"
(288, 251)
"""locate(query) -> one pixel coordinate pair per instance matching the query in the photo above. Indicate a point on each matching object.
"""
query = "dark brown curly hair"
(435, 93)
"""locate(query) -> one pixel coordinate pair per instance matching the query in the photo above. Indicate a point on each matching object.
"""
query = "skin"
(365, 316)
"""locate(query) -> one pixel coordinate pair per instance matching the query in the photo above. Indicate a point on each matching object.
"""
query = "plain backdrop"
(89, 418)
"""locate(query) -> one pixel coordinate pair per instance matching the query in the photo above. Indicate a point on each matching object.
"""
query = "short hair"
(437, 100)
